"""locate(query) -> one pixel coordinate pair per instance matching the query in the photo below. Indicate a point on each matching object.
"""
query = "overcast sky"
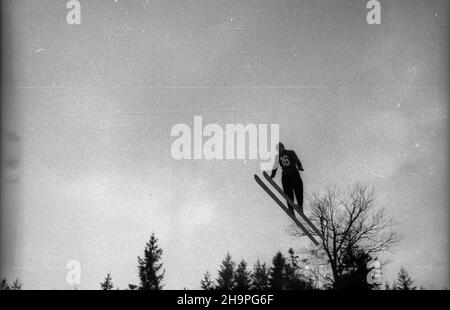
(88, 111)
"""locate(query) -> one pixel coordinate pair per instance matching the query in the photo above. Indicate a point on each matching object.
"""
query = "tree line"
(287, 272)
(355, 231)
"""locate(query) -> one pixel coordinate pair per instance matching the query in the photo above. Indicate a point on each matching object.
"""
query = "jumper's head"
(280, 147)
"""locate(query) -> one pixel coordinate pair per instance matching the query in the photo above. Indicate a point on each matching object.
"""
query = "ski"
(285, 209)
(292, 204)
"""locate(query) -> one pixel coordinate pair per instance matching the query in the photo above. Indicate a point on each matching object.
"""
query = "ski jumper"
(290, 178)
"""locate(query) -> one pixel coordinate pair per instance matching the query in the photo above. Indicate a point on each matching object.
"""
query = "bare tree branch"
(347, 222)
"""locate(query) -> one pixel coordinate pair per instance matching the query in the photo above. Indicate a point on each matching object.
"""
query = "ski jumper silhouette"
(292, 182)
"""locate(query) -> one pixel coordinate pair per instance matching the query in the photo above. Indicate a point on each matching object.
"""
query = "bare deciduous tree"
(347, 222)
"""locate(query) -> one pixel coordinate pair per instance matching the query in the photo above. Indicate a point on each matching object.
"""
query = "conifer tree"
(207, 282)
(294, 279)
(225, 281)
(107, 284)
(242, 277)
(260, 276)
(404, 281)
(277, 272)
(151, 273)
